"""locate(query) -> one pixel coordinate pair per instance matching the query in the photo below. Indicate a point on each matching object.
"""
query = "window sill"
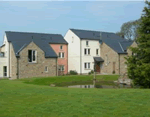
(87, 55)
(32, 62)
(87, 69)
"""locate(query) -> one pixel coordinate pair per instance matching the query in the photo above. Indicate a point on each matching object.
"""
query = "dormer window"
(87, 43)
(61, 47)
(32, 56)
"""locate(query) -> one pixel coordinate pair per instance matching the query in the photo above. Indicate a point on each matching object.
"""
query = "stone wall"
(119, 59)
(123, 66)
(133, 45)
(108, 65)
(13, 63)
(27, 70)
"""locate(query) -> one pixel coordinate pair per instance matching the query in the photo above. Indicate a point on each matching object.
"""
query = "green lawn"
(19, 99)
(71, 80)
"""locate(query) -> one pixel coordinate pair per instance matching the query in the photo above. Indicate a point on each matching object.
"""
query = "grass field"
(19, 99)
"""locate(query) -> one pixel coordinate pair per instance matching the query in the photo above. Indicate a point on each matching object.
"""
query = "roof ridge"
(33, 33)
(91, 30)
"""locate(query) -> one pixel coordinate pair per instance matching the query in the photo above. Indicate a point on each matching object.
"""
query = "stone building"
(25, 55)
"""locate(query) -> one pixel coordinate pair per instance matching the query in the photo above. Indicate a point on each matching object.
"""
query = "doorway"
(5, 71)
(97, 67)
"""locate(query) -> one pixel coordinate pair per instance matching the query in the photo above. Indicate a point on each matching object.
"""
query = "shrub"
(89, 73)
(73, 72)
(92, 72)
(113, 72)
(68, 74)
(98, 86)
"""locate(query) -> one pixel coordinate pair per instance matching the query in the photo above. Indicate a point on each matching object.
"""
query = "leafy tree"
(139, 63)
(129, 29)
(121, 34)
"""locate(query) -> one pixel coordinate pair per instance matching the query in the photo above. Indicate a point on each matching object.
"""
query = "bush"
(89, 73)
(98, 86)
(92, 72)
(113, 72)
(67, 74)
(73, 72)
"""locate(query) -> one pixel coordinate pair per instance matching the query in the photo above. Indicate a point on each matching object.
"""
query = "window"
(32, 56)
(107, 59)
(96, 51)
(87, 65)
(61, 47)
(2, 54)
(61, 54)
(46, 69)
(87, 43)
(5, 71)
(61, 68)
(87, 51)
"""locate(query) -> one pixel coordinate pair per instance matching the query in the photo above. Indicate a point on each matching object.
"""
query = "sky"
(58, 16)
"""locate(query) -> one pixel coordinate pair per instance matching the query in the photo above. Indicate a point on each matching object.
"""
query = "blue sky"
(58, 17)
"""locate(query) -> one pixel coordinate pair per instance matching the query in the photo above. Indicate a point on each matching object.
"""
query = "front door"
(5, 71)
(97, 67)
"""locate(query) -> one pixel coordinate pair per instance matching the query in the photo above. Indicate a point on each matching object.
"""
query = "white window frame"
(87, 65)
(60, 68)
(33, 61)
(46, 69)
(61, 55)
(87, 51)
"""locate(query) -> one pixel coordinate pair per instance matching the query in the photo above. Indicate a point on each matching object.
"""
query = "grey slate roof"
(21, 39)
(98, 59)
(114, 41)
